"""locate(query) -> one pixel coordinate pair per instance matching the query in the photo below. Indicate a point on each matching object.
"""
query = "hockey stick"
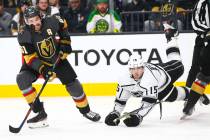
(17, 130)
(127, 114)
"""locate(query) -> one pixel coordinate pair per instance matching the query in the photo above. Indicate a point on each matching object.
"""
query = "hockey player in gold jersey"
(40, 50)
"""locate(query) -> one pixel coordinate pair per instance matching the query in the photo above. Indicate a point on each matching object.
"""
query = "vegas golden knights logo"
(46, 48)
(167, 9)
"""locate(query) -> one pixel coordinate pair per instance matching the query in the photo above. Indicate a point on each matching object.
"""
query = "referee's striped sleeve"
(196, 21)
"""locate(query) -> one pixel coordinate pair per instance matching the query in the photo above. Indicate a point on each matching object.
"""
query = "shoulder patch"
(24, 36)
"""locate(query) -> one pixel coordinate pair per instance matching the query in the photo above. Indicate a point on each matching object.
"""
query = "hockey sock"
(197, 90)
(29, 94)
(183, 93)
(37, 106)
(82, 103)
(76, 91)
(178, 93)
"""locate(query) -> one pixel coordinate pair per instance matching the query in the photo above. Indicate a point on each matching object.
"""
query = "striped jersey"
(200, 17)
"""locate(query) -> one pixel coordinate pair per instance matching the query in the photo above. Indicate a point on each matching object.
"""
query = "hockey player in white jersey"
(151, 82)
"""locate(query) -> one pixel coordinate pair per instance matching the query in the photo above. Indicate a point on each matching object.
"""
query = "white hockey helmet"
(135, 61)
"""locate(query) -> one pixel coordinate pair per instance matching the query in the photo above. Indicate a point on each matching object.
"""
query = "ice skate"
(187, 112)
(92, 116)
(39, 121)
(204, 100)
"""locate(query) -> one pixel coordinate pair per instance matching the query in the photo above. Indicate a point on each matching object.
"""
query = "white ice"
(67, 123)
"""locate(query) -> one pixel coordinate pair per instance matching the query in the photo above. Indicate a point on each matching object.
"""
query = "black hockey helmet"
(25, 2)
(31, 11)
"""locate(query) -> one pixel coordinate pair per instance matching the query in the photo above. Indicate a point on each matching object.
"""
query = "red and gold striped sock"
(199, 87)
(29, 94)
(82, 103)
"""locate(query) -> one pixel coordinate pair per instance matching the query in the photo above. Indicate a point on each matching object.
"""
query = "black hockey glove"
(46, 72)
(63, 55)
(66, 49)
(133, 120)
(111, 118)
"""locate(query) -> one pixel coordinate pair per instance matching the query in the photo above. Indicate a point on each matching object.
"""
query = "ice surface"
(66, 123)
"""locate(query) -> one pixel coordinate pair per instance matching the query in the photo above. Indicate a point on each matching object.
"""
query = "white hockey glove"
(170, 31)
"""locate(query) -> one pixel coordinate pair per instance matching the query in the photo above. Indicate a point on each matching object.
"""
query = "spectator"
(33, 2)
(83, 4)
(64, 3)
(45, 9)
(168, 12)
(57, 4)
(76, 17)
(10, 3)
(186, 15)
(134, 21)
(18, 22)
(118, 6)
(154, 21)
(54, 3)
(103, 20)
(91, 5)
(137, 5)
(5, 19)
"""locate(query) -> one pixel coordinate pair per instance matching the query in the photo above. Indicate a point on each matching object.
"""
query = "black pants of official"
(195, 67)
(204, 60)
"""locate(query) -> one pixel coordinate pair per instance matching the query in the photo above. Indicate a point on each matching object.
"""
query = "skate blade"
(40, 124)
(184, 117)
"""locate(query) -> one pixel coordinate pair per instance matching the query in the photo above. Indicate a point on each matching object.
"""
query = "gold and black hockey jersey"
(42, 48)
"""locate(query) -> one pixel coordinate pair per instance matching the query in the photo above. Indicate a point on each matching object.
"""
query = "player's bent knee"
(75, 88)
(23, 81)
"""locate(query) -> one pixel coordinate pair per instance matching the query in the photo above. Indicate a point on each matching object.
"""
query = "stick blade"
(13, 130)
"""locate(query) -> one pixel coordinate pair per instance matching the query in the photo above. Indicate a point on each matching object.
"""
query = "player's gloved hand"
(207, 36)
(66, 48)
(170, 31)
(63, 55)
(112, 118)
(47, 72)
(64, 51)
(133, 120)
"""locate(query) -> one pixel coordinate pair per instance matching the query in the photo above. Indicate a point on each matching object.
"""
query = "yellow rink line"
(53, 90)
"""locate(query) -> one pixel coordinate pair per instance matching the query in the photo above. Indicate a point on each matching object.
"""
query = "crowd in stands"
(101, 16)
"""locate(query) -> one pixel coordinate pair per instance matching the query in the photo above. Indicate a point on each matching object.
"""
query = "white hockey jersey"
(153, 81)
